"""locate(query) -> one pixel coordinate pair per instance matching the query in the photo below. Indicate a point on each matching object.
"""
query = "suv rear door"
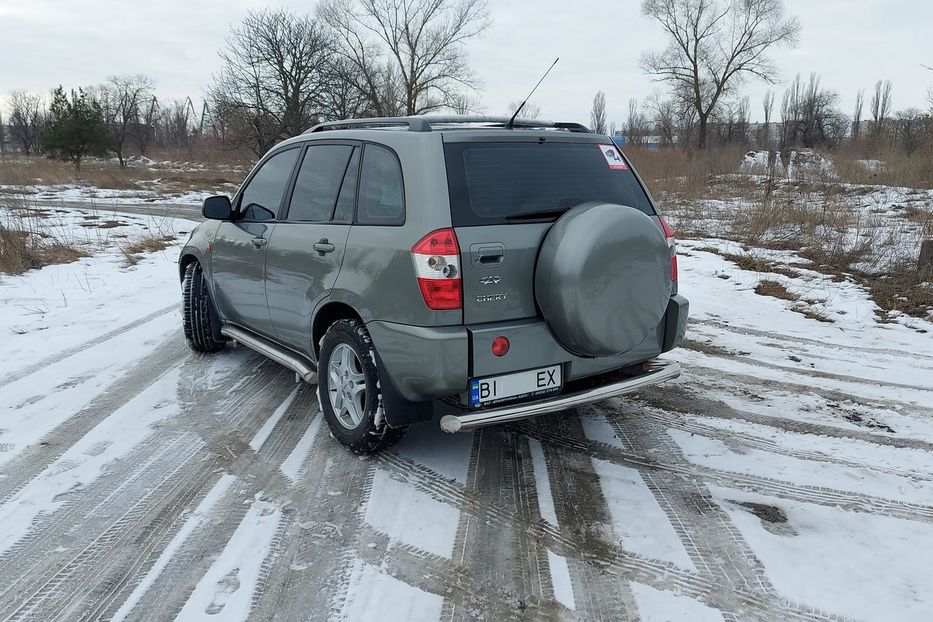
(307, 248)
(505, 193)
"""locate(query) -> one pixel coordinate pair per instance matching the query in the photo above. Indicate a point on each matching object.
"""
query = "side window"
(382, 199)
(346, 201)
(318, 182)
(263, 194)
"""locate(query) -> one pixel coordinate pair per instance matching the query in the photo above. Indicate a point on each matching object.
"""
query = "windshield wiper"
(536, 215)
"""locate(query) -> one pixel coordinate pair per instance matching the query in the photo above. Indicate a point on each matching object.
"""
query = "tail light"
(672, 245)
(437, 268)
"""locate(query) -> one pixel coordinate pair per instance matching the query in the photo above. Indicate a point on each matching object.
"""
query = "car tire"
(202, 327)
(349, 389)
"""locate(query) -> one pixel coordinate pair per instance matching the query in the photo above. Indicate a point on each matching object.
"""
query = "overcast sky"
(850, 43)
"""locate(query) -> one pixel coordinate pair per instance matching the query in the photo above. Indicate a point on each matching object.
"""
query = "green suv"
(473, 270)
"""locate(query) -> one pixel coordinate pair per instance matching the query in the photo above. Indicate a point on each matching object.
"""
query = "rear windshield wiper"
(536, 215)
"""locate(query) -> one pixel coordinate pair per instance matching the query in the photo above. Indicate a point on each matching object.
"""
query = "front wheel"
(349, 392)
(202, 330)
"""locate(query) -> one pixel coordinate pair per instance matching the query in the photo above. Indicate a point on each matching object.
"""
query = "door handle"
(259, 242)
(323, 247)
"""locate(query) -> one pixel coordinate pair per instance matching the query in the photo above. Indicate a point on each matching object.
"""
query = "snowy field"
(787, 475)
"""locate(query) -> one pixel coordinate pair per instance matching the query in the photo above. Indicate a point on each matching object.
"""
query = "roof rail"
(425, 123)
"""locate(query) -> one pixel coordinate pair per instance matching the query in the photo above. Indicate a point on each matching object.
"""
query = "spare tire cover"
(603, 278)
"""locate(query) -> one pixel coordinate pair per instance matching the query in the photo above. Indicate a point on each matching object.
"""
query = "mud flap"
(675, 322)
(400, 412)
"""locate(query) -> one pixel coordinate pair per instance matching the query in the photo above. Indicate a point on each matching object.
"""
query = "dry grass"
(685, 172)
(898, 169)
(775, 290)
(105, 173)
(904, 289)
(152, 243)
(26, 245)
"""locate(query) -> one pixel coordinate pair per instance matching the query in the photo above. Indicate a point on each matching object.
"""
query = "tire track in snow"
(44, 556)
(821, 345)
(86, 580)
(679, 421)
(69, 352)
(619, 564)
(680, 398)
(711, 539)
(26, 465)
(583, 516)
(508, 566)
(309, 576)
(237, 411)
(175, 578)
(842, 499)
(798, 388)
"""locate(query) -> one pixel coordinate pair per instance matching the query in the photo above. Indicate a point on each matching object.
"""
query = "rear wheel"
(349, 392)
(202, 329)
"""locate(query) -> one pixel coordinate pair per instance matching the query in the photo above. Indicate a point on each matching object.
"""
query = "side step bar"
(280, 356)
(659, 373)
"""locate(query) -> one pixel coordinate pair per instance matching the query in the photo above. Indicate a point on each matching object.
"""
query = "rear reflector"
(500, 346)
(437, 267)
(672, 245)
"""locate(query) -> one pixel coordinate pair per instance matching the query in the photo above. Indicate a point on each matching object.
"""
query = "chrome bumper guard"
(659, 372)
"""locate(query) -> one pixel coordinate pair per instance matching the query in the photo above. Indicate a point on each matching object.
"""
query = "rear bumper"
(659, 372)
(426, 363)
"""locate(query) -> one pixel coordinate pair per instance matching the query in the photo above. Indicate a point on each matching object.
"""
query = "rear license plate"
(520, 385)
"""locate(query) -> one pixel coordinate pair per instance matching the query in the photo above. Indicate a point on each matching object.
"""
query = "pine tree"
(76, 128)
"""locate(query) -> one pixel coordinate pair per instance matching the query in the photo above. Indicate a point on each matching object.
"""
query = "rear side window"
(318, 182)
(262, 196)
(492, 183)
(382, 194)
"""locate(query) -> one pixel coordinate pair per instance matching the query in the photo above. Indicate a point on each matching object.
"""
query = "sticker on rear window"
(613, 158)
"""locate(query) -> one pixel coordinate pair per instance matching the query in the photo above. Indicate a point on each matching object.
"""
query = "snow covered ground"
(787, 475)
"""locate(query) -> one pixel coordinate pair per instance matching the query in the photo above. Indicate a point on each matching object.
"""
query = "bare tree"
(467, 103)
(2, 136)
(857, 114)
(665, 115)
(598, 113)
(127, 95)
(27, 117)
(714, 45)
(764, 132)
(880, 106)
(419, 42)
(911, 129)
(276, 66)
(634, 124)
(811, 115)
(529, 110)
(149, 112)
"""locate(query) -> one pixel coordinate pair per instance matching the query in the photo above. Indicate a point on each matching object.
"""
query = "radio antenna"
(519, 109)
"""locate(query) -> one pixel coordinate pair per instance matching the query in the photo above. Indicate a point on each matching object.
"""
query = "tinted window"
(381, 191)
(491, 181)
(263, 195)
(318, 182)
(346, 201)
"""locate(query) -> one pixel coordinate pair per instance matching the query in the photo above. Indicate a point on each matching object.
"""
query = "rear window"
(492, 183)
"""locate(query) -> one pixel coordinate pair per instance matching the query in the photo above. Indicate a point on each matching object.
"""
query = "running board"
(659, 373)
(269, 350)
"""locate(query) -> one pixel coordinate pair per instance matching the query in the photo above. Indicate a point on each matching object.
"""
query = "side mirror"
(217, 208)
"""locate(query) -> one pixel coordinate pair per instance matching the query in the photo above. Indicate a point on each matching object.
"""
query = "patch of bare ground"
(775, 290)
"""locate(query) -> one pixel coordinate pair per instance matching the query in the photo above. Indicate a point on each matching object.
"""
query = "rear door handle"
(323, 247)
(487, 254)
(259, 242)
